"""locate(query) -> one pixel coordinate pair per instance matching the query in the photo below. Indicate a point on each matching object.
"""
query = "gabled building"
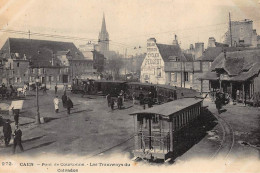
(236, 73)
(51, 61)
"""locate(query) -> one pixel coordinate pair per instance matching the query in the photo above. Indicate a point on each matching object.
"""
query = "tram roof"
(110, 81)
(169, 108)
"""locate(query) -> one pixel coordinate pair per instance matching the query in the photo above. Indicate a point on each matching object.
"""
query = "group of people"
(111, 101)
(220, 100)
(66, 102)
(17, 135)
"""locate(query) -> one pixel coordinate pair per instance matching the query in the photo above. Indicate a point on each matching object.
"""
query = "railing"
(157, 143)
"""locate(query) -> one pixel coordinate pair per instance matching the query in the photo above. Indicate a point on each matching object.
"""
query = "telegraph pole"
(230, 29)
(125, 62)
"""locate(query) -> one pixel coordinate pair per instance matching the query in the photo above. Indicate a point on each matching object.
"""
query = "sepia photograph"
(146, 86)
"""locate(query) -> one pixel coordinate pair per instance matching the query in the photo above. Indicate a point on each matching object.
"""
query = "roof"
(109, 81)
(169, 108)
(211, 53)
(239, 65)
(41, 52)
(168, 51)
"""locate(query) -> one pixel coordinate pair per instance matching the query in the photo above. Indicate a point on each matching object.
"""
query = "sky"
(129, 22)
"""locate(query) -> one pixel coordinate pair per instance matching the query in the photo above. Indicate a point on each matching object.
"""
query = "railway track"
(227, 141)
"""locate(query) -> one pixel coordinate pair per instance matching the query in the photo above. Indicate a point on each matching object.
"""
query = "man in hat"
(17, 139)
(218, 101)
(64, 99)
(7, 130)
(69, 104)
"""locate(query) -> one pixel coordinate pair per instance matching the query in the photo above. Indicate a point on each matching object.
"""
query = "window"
(186, 76)
(18, 64)
(159, 72)
(58, 78)
(174, 77)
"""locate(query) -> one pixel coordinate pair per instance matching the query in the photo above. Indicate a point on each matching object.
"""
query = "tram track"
(228, 139)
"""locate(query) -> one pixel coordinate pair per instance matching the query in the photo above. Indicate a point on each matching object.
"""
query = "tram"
(113, 88)
(144, 88)
(158, 129)
(83, 85)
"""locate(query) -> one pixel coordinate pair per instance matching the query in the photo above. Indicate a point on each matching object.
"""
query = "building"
(243, 34)
(236, 73)
(103, 38)
(160, 61)
(91, 52)
(52, 61)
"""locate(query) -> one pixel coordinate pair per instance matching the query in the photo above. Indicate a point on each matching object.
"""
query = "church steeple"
(103, 27)
(103, 37)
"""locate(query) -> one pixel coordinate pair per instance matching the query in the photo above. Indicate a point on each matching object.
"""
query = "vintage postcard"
(129, 86)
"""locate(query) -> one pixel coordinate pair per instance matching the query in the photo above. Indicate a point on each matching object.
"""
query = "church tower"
(103, 39)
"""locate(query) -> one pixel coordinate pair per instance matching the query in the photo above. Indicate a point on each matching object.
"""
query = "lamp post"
(37, 117)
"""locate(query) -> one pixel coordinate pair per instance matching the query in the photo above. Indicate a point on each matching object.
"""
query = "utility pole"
(230, 29)
(125, 62)
(37, 117)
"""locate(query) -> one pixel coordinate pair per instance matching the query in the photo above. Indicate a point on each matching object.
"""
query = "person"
(133, 97)
(7, 130)
(16, 113)
(237, 95)
(44, 89)
(119, 102)
(122, 96)
(108, 97)
(150, 100)
(112, 104)
(56, 88)
(141, 97)
(56, 104)
(24, 90)
(69, 104)
(17, 139)
(175, 95)
(64, 99)
(218, 101)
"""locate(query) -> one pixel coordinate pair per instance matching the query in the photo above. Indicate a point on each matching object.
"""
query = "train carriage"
(105, 87)
(158, 129)
(145, 88)
(83, 85)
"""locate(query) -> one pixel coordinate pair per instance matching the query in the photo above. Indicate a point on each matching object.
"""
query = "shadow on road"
(41, 145)
(32, 139)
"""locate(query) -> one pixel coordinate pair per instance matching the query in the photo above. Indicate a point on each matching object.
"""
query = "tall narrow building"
(103, 38)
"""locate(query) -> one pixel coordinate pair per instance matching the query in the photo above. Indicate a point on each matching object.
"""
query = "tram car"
(113, 88)
(83, 85)
(159, 130)
(144, 88)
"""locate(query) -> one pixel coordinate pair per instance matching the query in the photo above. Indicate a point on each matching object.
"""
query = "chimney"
(175, 41)
(191, 47)
(199, 49)
(152, 39)
(211, 42)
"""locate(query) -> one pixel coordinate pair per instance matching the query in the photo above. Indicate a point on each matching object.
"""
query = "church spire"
(103, 27)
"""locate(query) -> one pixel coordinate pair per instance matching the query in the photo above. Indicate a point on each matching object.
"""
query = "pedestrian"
(56, 104)
(44, 89)
(56, 88)
(64, 99)
(16, 113)
(218, 101)
(7, 130)
(24, 90)
(119, 102)
(141, 97)
(122, 96)
(112, 104)
(237, 95)
(133, 97)
(69, 105)
(17, 139)
(108, 97)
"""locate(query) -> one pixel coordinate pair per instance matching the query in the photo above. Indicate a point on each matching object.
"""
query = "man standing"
(218, 101)
(108, 97)
(7, 130)
(17, 139)
(56, 104)
(69, 105)
(56, 88)
(64, 99)
(16, 113)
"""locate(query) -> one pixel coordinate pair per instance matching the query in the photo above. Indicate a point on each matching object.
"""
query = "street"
(94, 130)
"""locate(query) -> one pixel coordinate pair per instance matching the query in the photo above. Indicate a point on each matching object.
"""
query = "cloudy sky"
(129, 22)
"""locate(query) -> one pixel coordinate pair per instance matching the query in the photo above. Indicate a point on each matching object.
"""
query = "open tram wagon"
(159, 129)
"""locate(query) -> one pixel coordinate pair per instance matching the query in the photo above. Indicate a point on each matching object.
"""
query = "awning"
(209, 76)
